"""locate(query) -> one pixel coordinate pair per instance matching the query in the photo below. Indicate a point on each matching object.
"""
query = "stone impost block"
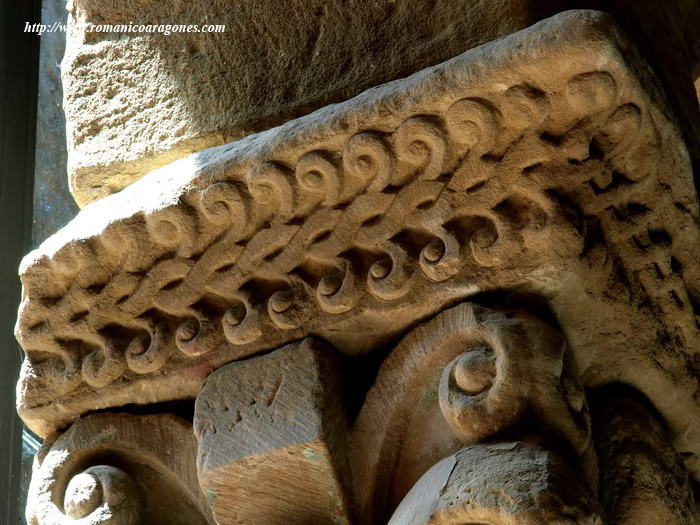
(271, 433)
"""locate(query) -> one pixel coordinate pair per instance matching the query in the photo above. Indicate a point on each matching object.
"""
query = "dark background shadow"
(18, 89)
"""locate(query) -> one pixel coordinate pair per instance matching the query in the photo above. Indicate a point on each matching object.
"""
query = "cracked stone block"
(270, 433)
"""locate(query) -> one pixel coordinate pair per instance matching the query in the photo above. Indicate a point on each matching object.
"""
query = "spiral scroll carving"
(224, 205)
(103, 495)
(288, 308)
(340, 292)
(101, 472)
(422, 143)
(147, 353)
(317, 174)
(412, 156)
(494, 376)
(240, 322)
(520, 364)
(103, 366)
(269, 185)
(367, 157)
(474, 124)
(439, 260)
(174, 228)
(198, 335)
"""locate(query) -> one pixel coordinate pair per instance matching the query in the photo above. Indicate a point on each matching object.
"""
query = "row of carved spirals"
(366, 162)
(388, 279)
(371, 158)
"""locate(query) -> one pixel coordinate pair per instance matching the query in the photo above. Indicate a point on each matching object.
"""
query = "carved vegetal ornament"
(260, 276)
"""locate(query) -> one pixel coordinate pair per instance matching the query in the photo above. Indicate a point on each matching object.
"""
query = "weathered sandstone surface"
(135, 102)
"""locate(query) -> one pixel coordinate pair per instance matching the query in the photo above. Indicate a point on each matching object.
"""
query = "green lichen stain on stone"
(430, 394)
(340, 520)
(211, 496)
(310, 454)
(337, 514)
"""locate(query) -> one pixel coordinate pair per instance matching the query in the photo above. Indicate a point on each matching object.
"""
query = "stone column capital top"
(546, 162)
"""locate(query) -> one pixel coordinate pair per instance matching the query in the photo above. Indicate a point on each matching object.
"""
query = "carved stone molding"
(118, 469)
(272, 436)
(546, 162)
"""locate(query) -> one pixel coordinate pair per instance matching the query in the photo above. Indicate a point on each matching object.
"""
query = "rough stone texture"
(544, 163)
(136, 102)
(118, 469)
(642, 477)
(271, 434)
(504, 483)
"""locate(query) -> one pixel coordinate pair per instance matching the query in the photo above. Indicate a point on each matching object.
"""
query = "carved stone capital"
(414, 225)
(545, 162)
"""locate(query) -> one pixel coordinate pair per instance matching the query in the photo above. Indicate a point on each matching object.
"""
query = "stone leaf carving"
(118, 469)
(515, 368)
(504, 483)
(271, 433)
(544, 162)
(490, 374)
